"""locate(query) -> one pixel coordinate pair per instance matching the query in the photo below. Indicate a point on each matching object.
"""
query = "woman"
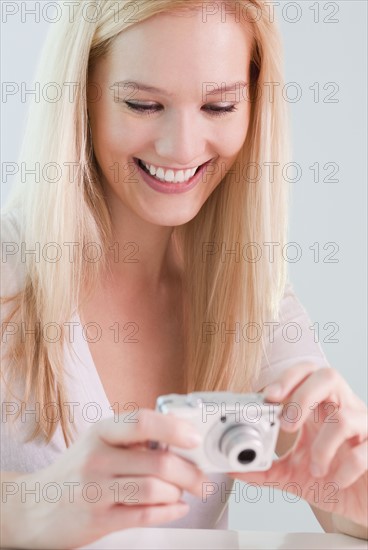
(143, 260)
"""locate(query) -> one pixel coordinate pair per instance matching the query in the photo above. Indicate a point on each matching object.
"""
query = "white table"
(211, 539)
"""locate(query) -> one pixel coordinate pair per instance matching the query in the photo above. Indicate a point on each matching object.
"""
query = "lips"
(169, 187)
(140, 163)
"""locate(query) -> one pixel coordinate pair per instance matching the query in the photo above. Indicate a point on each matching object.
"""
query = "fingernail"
(273, 390)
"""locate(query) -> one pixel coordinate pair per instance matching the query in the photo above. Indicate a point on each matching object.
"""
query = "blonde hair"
(217, 291)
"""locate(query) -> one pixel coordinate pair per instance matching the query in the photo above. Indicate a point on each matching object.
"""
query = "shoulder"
(289, 302)
(289, 340)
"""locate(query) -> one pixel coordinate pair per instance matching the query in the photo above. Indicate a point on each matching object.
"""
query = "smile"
(175, 182)
(168, 175)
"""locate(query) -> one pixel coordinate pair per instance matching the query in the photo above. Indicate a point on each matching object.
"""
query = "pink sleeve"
(289, 342)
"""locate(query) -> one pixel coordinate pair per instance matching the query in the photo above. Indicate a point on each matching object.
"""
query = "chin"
(172, 219)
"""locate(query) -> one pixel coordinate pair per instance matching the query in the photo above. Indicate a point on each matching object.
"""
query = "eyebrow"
(139, 86)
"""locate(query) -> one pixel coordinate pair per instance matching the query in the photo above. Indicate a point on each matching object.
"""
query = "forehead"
(179, 52)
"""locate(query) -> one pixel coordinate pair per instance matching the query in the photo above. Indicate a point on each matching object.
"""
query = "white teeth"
(179, 177)
(189, 173)
(170, 175)
(160, 174)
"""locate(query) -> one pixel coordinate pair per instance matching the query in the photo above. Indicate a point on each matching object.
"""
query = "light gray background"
(315, 52)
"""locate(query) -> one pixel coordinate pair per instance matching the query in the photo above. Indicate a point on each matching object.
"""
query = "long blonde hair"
(238, 292)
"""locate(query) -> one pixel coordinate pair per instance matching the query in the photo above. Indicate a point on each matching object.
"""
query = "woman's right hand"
(109, 480)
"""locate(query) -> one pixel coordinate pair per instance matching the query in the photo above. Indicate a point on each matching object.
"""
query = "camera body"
(239, 430)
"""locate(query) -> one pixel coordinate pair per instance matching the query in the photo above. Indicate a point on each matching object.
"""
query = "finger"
(288, 380)
(354, 463)
(316, 390)
(108, 462)
(326, 387)
(148, 425)
(330, 438)
(139, 490)
(124, 517)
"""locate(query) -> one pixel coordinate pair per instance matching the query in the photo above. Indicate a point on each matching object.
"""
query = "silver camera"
(239, 430)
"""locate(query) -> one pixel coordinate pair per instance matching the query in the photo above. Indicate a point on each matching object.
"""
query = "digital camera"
(239, 430)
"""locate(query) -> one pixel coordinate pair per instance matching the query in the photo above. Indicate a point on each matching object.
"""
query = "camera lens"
(246, 456)
(241, 445)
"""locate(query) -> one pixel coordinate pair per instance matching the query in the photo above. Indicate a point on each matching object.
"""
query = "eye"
(218, 111)
(147, 109)
(143, 107)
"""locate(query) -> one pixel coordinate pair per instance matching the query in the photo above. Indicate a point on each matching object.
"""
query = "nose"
(182, 140)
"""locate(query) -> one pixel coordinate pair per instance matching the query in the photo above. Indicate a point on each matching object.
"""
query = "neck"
(141, 254)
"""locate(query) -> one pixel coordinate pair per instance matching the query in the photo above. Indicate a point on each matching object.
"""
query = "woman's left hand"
(328, 464)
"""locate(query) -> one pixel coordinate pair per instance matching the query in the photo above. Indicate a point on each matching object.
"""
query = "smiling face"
(178, 127)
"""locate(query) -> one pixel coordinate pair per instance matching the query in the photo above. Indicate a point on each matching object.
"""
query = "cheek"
(231, 141)
(232, 137)
(115, 140)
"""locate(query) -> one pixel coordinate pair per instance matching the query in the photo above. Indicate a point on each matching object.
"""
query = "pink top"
(85, 389)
